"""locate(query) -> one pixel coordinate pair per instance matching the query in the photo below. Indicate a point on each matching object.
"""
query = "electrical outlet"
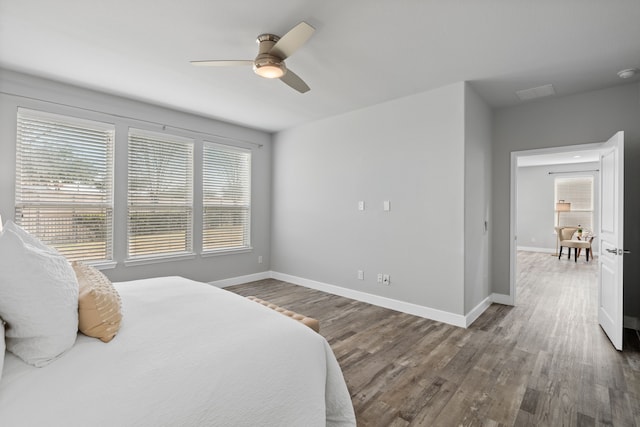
(260, 259)
(386, 280)
(379, 277)
(360, 275)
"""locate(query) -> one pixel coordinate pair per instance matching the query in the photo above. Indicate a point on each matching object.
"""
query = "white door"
(611, 242)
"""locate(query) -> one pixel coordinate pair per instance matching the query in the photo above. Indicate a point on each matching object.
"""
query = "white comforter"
(187, 354)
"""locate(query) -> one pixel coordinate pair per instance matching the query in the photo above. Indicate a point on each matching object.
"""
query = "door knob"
(618, 251)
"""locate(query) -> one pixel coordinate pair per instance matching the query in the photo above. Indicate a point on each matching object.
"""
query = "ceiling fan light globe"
(269, 71)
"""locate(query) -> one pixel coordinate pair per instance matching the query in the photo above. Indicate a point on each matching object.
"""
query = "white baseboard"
(501, 299)
(631, 322)
(545, 250)
(477, 311)
(390, 303)
(534, 249)
(241, 279)
(402, 306)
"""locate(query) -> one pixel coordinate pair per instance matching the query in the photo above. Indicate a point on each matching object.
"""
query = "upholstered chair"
(566, 235)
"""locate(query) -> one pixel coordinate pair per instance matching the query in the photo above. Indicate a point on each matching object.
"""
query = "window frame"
(89, 131)
(590, 211)
(189, 251)
(247, 235)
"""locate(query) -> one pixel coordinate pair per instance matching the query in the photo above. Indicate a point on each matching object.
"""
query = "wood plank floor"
(544, 362)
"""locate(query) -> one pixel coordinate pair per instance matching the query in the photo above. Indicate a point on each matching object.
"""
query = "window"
(64, 183)
(160, 195)
(226, 179)
(579, 192)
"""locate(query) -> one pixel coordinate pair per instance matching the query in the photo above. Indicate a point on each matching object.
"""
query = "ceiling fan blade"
(290, 42)
(290, 78)
(223, 63)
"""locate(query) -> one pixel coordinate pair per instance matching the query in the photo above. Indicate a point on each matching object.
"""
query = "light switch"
(361, 205)
(387, 205)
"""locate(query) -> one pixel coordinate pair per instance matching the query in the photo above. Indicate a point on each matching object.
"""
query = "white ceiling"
(363, 52)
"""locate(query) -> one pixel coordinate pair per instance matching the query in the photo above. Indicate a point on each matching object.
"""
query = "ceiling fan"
(272, 52)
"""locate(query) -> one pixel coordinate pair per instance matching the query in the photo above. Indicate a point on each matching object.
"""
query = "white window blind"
(64, 183)
(160, 195)
(226, 175)
(579, 192)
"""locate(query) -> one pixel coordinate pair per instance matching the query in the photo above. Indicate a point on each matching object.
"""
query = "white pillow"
(29, 239)
(38, 299)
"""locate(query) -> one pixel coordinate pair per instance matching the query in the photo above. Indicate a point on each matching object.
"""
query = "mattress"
(187, 354)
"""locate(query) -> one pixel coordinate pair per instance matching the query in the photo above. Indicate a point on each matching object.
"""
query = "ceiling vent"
(535, 92)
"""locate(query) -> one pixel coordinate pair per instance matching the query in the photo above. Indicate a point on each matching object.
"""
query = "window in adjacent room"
(64, 183)
(160, 195)
(226, 198)
(579, 192)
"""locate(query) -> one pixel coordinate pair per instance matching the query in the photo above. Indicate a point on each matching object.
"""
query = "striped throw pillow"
(99, 305)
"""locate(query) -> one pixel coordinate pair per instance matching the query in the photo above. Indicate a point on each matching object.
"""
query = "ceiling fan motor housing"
(269, 63)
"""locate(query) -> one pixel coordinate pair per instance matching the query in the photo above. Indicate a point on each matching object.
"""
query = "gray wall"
(536, 201)
(409, 151)
(477, 199)
(20, 90)
(577, 119)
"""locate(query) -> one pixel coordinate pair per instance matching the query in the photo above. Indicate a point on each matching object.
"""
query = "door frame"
(513, 212)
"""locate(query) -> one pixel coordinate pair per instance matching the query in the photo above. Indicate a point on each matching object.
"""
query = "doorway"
(535, 175)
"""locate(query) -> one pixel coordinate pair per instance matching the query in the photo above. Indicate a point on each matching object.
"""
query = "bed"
(186, 354)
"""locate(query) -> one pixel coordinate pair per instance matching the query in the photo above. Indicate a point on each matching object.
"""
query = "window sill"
(158, 259)
(221, 252)
(103, 265)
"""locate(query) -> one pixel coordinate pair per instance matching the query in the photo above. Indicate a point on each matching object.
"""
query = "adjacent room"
(298, 213)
